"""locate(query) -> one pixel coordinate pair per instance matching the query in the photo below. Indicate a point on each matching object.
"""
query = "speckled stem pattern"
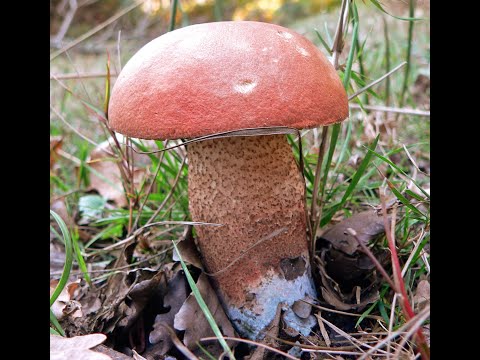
(254, 187)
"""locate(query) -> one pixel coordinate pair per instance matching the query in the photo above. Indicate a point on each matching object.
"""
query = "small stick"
(315, 215)
(337, 45)
(288, 356)
(375, 82)
(81, 75)
(405, 111)
(379, 318)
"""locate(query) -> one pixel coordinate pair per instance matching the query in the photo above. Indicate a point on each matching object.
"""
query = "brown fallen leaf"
(175, 297)
(367, 225)
(191, 318)
(188, 249)
(64, 306)
(137, 356)
(76, 348)
(145, 287)
(55, 145)
(347, 269)
(323, 330)
(422, 295)
(348, 278)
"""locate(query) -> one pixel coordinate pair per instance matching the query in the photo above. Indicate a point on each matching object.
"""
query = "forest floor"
(120, 281)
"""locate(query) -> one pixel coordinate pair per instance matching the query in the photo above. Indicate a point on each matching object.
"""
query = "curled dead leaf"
(367, 225)
(174, 299)
(76, 348)
(422, 295)
(188, 249)
(348, 277)
(191, 319)
(55, 145)
(64, 306)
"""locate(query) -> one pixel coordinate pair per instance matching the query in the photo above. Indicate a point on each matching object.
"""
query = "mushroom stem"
(254, 187)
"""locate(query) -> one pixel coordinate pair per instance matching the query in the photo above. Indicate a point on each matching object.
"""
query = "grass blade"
(384, 159)
(408, 55)
(80, 260)
(353, 183)
(379, 6)
(387, 60)
(404, 200)
(173, 15)
(68, 257)
(218, 10)
(58, 328)
(336, 127)
(324, 43)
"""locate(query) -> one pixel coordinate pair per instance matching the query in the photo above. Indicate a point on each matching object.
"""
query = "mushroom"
(216, 77)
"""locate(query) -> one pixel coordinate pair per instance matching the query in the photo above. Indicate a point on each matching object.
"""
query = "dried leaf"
(140, 293)
(137, 356)
(366, 224)
(323, 330)
(188, 249)
(422, 295)
(57, 257)
(178, 344)
(345, 268)
(76, 348)
(191, 318)
(114, 294)
(175, 297)
(55, 145)
(64, 306)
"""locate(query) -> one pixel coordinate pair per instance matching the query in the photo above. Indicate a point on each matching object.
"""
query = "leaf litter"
(124, 308)
(347, 274)
(77, 347)
(190, 318)
(174, 299)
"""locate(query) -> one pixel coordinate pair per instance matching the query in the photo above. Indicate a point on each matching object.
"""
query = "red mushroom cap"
(222, 76)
